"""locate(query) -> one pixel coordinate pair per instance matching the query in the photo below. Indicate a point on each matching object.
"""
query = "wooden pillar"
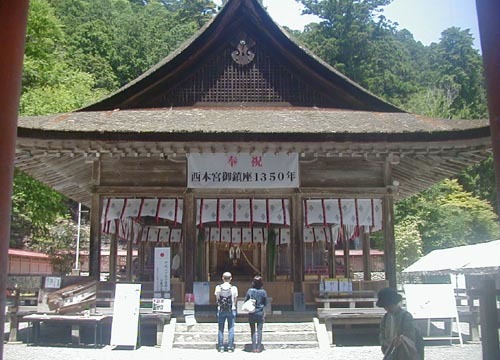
(332, 268)
(13, 17)
(213, 258)
(130, 252)
(263, 260)
(388, 222)
(95, 237)
(189, 244)
(489, 319)
(389, 241)
(297, 242)
(347, 258)
(141, 257)
(367, 263)
(488, 14)
(113, 254)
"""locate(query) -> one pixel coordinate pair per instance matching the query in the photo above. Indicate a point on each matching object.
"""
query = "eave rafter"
(66, 165)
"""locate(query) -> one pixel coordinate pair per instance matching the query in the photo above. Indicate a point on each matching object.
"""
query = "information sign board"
(124, 328)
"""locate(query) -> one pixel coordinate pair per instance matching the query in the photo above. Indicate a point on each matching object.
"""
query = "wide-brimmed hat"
(388, 296)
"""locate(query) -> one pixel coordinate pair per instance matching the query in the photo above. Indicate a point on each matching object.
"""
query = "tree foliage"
(59, 243)
(447, 216)
(409, 245)
(35, 207)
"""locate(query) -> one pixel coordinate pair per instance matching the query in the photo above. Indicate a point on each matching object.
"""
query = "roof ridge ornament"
(243, 55)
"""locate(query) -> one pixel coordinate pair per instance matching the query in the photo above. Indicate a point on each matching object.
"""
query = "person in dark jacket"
(396, 324)
(256, 319)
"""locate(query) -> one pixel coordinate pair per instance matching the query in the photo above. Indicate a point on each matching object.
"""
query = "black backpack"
(225, 300)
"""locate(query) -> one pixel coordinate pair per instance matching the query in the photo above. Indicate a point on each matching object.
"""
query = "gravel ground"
(26, 352)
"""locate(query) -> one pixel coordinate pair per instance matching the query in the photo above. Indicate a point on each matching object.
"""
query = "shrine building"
(242, 151)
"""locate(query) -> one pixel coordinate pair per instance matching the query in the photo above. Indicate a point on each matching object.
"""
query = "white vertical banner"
(162, 273)
(238, 170)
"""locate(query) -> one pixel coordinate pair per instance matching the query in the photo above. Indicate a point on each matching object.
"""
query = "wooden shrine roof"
(246, 124)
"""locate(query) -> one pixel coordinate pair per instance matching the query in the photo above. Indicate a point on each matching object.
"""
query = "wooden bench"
(359, 298)
(349, 316)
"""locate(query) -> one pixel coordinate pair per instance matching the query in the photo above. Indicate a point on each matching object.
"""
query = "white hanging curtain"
(120, 216)
(261, 211)
(170, 209)
(352, 212)
(236, 235)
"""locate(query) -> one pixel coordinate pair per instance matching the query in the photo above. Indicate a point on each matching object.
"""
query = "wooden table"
(76, 321)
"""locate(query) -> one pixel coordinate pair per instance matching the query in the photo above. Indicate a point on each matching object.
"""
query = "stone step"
(246, 344)
(275, 335)
(244, 327)
(271, 336)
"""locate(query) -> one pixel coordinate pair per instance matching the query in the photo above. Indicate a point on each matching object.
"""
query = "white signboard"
(430, 301)
(52, 282)
(237, 170)
(162, 305)
(125, 315)
(162, 272)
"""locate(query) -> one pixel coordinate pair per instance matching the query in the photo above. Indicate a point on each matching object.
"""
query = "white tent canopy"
(481, 258)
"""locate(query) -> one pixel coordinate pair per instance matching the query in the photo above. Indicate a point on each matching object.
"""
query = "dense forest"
(77, 51)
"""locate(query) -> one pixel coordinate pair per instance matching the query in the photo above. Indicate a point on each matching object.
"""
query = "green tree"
(60, 244)
(448, 216)
(117, 40)
(459, 66)
(409, 246)
(35, 207)
(479, 180)
(44, 45)
(50, 84)
(358, 40)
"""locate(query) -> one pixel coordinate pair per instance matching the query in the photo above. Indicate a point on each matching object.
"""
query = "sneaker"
(230, 350)
(221, 349)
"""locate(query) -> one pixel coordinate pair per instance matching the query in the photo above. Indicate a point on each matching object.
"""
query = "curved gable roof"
(202, 71)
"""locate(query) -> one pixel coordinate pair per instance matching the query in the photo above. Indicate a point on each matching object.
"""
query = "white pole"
(77, 261)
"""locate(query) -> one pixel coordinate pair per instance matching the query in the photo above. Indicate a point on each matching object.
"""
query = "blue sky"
(425, 19)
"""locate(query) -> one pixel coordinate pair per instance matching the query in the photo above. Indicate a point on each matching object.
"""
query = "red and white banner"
(233, 170)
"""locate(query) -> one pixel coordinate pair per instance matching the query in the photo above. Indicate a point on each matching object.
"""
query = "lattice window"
(221, 80)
